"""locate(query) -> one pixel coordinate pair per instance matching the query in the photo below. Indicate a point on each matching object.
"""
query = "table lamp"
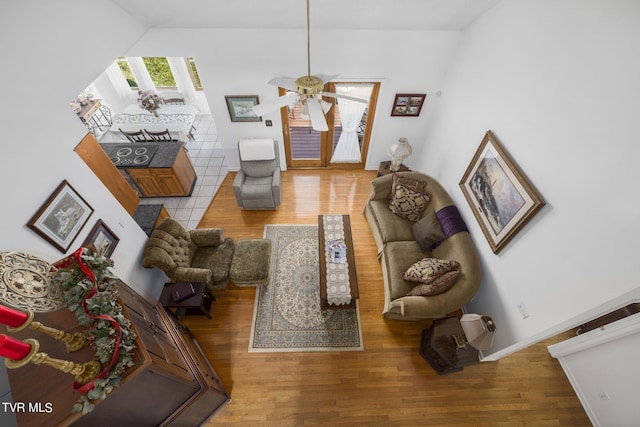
(399, 151)
(479, 331)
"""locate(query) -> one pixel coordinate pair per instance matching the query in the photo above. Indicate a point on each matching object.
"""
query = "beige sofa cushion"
(390, 226)
(398, 257)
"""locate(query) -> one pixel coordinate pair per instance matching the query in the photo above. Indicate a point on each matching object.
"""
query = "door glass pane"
(305, 142)
(350, 117)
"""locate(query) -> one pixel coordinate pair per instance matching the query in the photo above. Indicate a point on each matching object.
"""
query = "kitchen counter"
(149, 216)
(169, 173)
(164, 157)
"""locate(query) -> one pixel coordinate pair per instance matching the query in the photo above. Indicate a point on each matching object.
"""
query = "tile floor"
(207, 157)
(208, 161)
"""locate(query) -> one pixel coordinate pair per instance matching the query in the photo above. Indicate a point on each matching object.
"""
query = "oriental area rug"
(287, 316)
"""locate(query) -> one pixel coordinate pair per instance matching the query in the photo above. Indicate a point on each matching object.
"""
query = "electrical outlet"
(523, 310)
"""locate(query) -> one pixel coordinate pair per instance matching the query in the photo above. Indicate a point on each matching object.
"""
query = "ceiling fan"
(306, 89)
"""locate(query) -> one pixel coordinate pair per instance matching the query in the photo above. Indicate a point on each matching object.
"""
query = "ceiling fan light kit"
(308, 89)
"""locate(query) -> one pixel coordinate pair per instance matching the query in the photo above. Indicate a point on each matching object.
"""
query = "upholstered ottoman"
(251, 264)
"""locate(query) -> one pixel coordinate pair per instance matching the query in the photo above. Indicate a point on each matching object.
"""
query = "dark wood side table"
(438, 347)
(385, 168)
(200, 303)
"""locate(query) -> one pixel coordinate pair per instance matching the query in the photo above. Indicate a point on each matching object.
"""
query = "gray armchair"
(200, 255)
(257, 184)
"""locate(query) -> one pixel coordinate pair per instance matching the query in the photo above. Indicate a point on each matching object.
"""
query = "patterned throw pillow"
(415, 184)
(407, 203)
(434, 275)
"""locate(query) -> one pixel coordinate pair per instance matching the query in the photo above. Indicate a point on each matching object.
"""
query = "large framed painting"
(101, 239)
(61, 217)
(241, 108)
(501, 197)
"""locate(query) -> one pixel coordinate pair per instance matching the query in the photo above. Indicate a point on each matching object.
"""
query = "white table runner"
(338, 288)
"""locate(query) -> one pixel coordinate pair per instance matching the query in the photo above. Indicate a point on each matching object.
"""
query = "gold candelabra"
(83, 372)
(73, 341)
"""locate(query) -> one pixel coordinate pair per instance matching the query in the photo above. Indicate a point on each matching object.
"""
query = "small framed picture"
(101, 239)
(408, 104)
(501, 197)
(61, 217)
(241, 108)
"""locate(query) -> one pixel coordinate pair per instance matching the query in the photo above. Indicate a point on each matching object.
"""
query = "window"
(160, 72)
(193, 72)
(126, 72)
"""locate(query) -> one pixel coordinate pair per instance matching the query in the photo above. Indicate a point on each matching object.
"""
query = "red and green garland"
(89, 292)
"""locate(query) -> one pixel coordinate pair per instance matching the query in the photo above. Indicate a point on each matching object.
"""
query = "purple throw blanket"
(451, 222)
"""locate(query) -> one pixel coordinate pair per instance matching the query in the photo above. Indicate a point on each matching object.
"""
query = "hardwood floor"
(388, 384)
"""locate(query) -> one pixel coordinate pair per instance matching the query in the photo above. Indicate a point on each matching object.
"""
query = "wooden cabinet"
(177, 180)
(100, 163)
(171, 383)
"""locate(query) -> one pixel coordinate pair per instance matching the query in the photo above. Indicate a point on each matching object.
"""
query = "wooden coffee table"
(351, 262)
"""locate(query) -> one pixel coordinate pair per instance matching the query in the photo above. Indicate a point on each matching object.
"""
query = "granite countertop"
(146, 216)
(164, 157)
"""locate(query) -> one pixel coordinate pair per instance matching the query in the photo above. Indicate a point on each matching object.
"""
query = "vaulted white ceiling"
(437, 15)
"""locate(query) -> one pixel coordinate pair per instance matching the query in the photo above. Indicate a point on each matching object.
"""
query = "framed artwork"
(61, 217)
(241, 108)
(408, 104)
(101, 239)
(501, 197)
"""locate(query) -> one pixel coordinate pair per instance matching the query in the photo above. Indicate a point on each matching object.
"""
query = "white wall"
(40, 131)
(52, 51)
(557, 82)
(597, 364)
(242, 61)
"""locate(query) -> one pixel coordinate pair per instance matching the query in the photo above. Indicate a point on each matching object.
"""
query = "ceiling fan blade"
(318, 121)
(350, 98)
(326, 106)
(285, 82)
(275, 104)
(326, 78)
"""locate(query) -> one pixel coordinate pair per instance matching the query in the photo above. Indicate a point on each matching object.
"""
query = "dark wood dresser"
(172, 382)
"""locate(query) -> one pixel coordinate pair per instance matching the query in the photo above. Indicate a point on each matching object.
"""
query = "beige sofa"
(398, 250)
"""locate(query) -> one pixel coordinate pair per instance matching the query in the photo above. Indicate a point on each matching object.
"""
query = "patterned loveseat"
(446, 247)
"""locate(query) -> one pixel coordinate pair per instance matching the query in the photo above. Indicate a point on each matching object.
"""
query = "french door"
(308, 148)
